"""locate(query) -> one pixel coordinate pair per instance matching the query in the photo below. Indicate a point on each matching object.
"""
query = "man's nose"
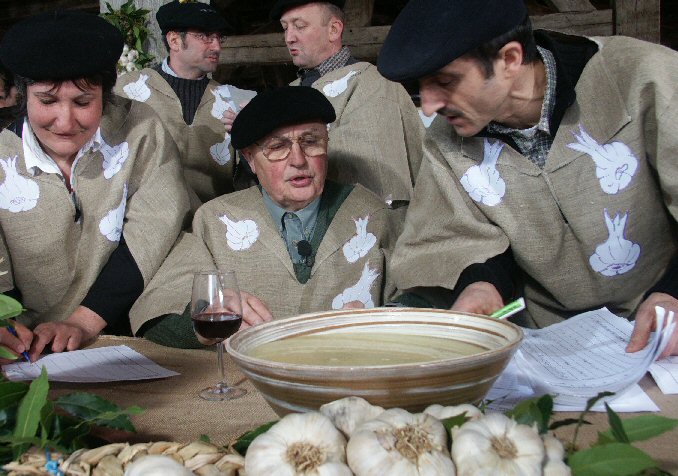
(290, 37)
(431, 99)
(296, 157)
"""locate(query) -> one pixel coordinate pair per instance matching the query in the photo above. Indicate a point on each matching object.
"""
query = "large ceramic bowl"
(434, 339)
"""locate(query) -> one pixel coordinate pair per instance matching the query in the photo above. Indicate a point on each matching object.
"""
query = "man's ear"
(248, 153)
(174, 40)
(336, 29)
(511, 58)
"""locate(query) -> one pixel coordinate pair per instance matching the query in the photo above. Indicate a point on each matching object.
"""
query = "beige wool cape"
(204, 147)
(132, 185)
(376, 140)
(596, 227)
(236, 232)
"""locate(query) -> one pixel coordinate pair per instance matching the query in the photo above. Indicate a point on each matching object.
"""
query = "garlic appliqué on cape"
(399, 443)
(299, 444)
(350, 412)
(497, 445)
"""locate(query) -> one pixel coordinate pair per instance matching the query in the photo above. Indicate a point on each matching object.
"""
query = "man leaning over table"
(190, 103)
(377, 136)
(551, 166)
(298, 243)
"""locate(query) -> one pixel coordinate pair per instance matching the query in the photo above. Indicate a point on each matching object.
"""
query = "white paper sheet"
(665, 373)
(104, 364)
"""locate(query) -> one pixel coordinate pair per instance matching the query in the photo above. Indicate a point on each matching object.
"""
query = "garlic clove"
(156, 465)
(441, 412)
(350, 412)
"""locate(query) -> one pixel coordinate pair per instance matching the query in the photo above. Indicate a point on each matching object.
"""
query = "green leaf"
(616, 426)
(604, 438)
(46, 421)
(9, 307)
(205, 438)
(566, 422)
(11, 393)
(246, 439)
(614, 459)
(593, 400)
(535, 410)
(28, 414)
(97, 410)
(456, 420)
(6, 354)
(645, 427)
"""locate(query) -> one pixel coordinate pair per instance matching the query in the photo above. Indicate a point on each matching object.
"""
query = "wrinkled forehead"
(315, 128)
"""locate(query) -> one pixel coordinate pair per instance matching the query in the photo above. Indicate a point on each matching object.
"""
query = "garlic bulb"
(441, 412)
(497, 445)
(399, 443)
(555, 453)
(299, 444)
(349, 413)
(156, 465)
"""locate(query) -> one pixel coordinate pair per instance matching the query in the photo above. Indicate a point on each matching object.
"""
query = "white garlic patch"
(361, 243)
(336, 87)
(138, 90)
(114, 157)
(111, 225)
(221, 152)
(222, 101)
(17, 193)
(240, 235)
(616, 163)
(482, 182)
(359, 291)
(616, 255)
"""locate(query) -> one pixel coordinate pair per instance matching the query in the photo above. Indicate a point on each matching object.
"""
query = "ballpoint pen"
(510, 309)
(13, 332)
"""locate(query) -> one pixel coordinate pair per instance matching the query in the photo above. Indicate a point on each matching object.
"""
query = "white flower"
(17, 193)
(133, 55)
(131, 67)
(125, 49)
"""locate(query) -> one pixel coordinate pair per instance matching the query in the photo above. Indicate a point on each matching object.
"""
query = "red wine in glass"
(216, 325)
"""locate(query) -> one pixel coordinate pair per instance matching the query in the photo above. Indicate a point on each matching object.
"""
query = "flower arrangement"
(132, 22)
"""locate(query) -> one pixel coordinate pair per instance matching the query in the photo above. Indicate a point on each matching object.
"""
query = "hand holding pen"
(16, 338)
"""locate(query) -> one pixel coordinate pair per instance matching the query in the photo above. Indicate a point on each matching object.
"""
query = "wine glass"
(216, 313)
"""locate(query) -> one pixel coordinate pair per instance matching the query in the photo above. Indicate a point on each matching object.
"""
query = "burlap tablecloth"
(174, 411)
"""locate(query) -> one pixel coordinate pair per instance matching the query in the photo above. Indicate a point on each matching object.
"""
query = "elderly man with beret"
(298, 243)
(551, 164)
(377, 136)
(187, 100)
(91, 190)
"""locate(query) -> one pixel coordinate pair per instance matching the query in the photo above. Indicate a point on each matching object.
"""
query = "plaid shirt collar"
(336, 61)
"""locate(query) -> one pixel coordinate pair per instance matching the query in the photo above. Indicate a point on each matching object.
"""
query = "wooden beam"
(366, 42)
(637, 18)
(358, 13)
(563, 6)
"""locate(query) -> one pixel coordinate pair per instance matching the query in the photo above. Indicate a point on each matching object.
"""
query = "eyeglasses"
(207, 39)
(279, 148)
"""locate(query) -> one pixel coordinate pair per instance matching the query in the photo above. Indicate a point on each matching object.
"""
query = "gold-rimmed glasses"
(278, 148)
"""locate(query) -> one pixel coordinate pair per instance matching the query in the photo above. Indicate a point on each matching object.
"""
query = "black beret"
(178, 16)
(281, 6)
(275, 108)
(429, 34)
(61, 45)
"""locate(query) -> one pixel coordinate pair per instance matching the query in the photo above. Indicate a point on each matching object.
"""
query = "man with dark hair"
(187, 100)
(376, 139)
(554, 174)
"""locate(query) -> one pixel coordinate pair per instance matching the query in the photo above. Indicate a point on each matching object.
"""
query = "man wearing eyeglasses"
(298, 243)
(188, 101)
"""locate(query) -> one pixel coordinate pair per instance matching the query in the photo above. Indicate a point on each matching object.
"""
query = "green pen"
(510, 309)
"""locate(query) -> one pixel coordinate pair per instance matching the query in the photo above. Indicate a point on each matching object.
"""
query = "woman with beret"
(91, 191)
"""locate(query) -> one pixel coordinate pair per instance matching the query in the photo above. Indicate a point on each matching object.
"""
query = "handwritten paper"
(104, 364)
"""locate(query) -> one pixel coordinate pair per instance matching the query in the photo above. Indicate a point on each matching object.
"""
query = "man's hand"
(646, 323)
(254, 311)
(229, 117)
(479, 298)
(81, 328)
(15, 344)
(354, 305)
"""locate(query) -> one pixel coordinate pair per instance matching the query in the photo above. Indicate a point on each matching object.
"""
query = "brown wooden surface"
(571, 5)
(639, 19)
(175, 412)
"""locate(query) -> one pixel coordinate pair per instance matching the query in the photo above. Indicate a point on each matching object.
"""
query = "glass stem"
(220, 362)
